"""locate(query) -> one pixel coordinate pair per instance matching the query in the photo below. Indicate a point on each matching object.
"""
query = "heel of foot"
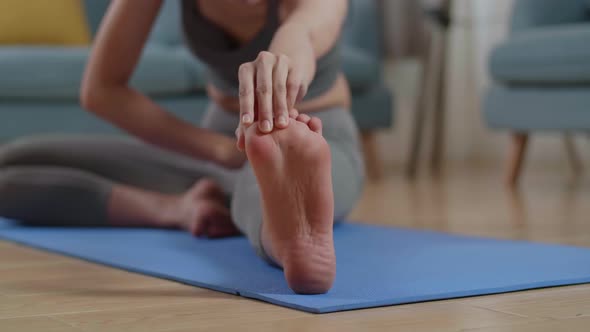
(310, 273)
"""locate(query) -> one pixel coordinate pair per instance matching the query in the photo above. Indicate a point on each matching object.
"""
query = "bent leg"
(100, 180)
(57, 196)
(246, 208)
(120, 159)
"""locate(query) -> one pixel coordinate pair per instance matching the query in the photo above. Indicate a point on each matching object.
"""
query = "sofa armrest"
(533, 13)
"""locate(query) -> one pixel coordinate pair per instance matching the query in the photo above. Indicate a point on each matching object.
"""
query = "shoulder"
(286, 8)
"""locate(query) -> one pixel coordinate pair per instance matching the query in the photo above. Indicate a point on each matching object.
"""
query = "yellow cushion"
(47, 22)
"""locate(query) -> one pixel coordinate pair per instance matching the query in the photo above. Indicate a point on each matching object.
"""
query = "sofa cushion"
(166, 29)
(537, 109)
(360, 67)
(545, 55)
(48, 23)
(55, 72)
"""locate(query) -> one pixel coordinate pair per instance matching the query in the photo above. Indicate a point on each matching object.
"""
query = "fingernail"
(282, 120)
(266, 126)
(246, 118)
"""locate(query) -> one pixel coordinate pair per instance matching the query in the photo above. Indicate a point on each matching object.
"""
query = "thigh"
(246, 207)
(118, 158)
(347, 179)
(341, 133)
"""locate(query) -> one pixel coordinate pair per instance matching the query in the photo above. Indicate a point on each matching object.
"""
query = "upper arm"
(322, 19)
(119, 42)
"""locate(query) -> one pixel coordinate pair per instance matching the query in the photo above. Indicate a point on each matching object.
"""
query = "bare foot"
(203, 213)
(293, 169)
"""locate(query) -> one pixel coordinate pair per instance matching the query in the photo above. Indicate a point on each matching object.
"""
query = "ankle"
(171, 211)
(130, 207)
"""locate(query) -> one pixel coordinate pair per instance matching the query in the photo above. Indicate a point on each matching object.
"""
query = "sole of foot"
(293, 169)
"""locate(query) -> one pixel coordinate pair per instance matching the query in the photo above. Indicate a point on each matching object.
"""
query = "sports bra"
(223, 55)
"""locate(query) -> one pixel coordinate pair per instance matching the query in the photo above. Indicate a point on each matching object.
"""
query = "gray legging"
(67, 180)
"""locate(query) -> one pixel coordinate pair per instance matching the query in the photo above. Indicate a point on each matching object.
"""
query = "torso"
(243, 23)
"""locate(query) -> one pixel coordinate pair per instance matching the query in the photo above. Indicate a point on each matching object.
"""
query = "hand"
(271, 85)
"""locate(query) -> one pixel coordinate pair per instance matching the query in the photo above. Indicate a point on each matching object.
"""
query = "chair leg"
(423, 106)
(572, 154)
(517, 152)
(371, 155)
(438, 121)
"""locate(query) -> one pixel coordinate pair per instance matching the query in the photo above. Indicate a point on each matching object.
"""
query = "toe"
(207, 188)
(198, 228)
(206, 214)
(303, 118)
(220, 229)
(315, 124)
(259, 146)
(293, 113)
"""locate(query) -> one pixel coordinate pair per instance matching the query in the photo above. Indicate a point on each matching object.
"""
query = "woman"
(288, 173)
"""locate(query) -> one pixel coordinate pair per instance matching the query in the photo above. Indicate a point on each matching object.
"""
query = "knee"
(3, 183)
(21, 151)
(7, 192)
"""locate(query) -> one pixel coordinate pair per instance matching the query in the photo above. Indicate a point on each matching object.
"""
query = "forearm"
(106, 91)
(280, 76)
(293, 40)
(138, 115)
(309, 32)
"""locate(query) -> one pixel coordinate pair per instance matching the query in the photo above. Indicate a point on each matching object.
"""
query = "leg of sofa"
(515, 161)
(438, 121)
(371, 155)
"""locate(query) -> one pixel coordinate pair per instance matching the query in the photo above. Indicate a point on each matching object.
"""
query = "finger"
(241, 142)
(304, 118)
(246, 79)
(315, 124)
(293, 87)
(279, 94)
(264, 68)
(301, 93)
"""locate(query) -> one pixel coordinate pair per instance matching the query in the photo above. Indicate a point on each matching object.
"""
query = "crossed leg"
(80, 180)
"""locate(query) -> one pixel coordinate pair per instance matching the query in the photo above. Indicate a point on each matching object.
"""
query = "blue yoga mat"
(377, 266)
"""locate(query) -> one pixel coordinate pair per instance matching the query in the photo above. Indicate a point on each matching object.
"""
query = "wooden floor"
(46, 292)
